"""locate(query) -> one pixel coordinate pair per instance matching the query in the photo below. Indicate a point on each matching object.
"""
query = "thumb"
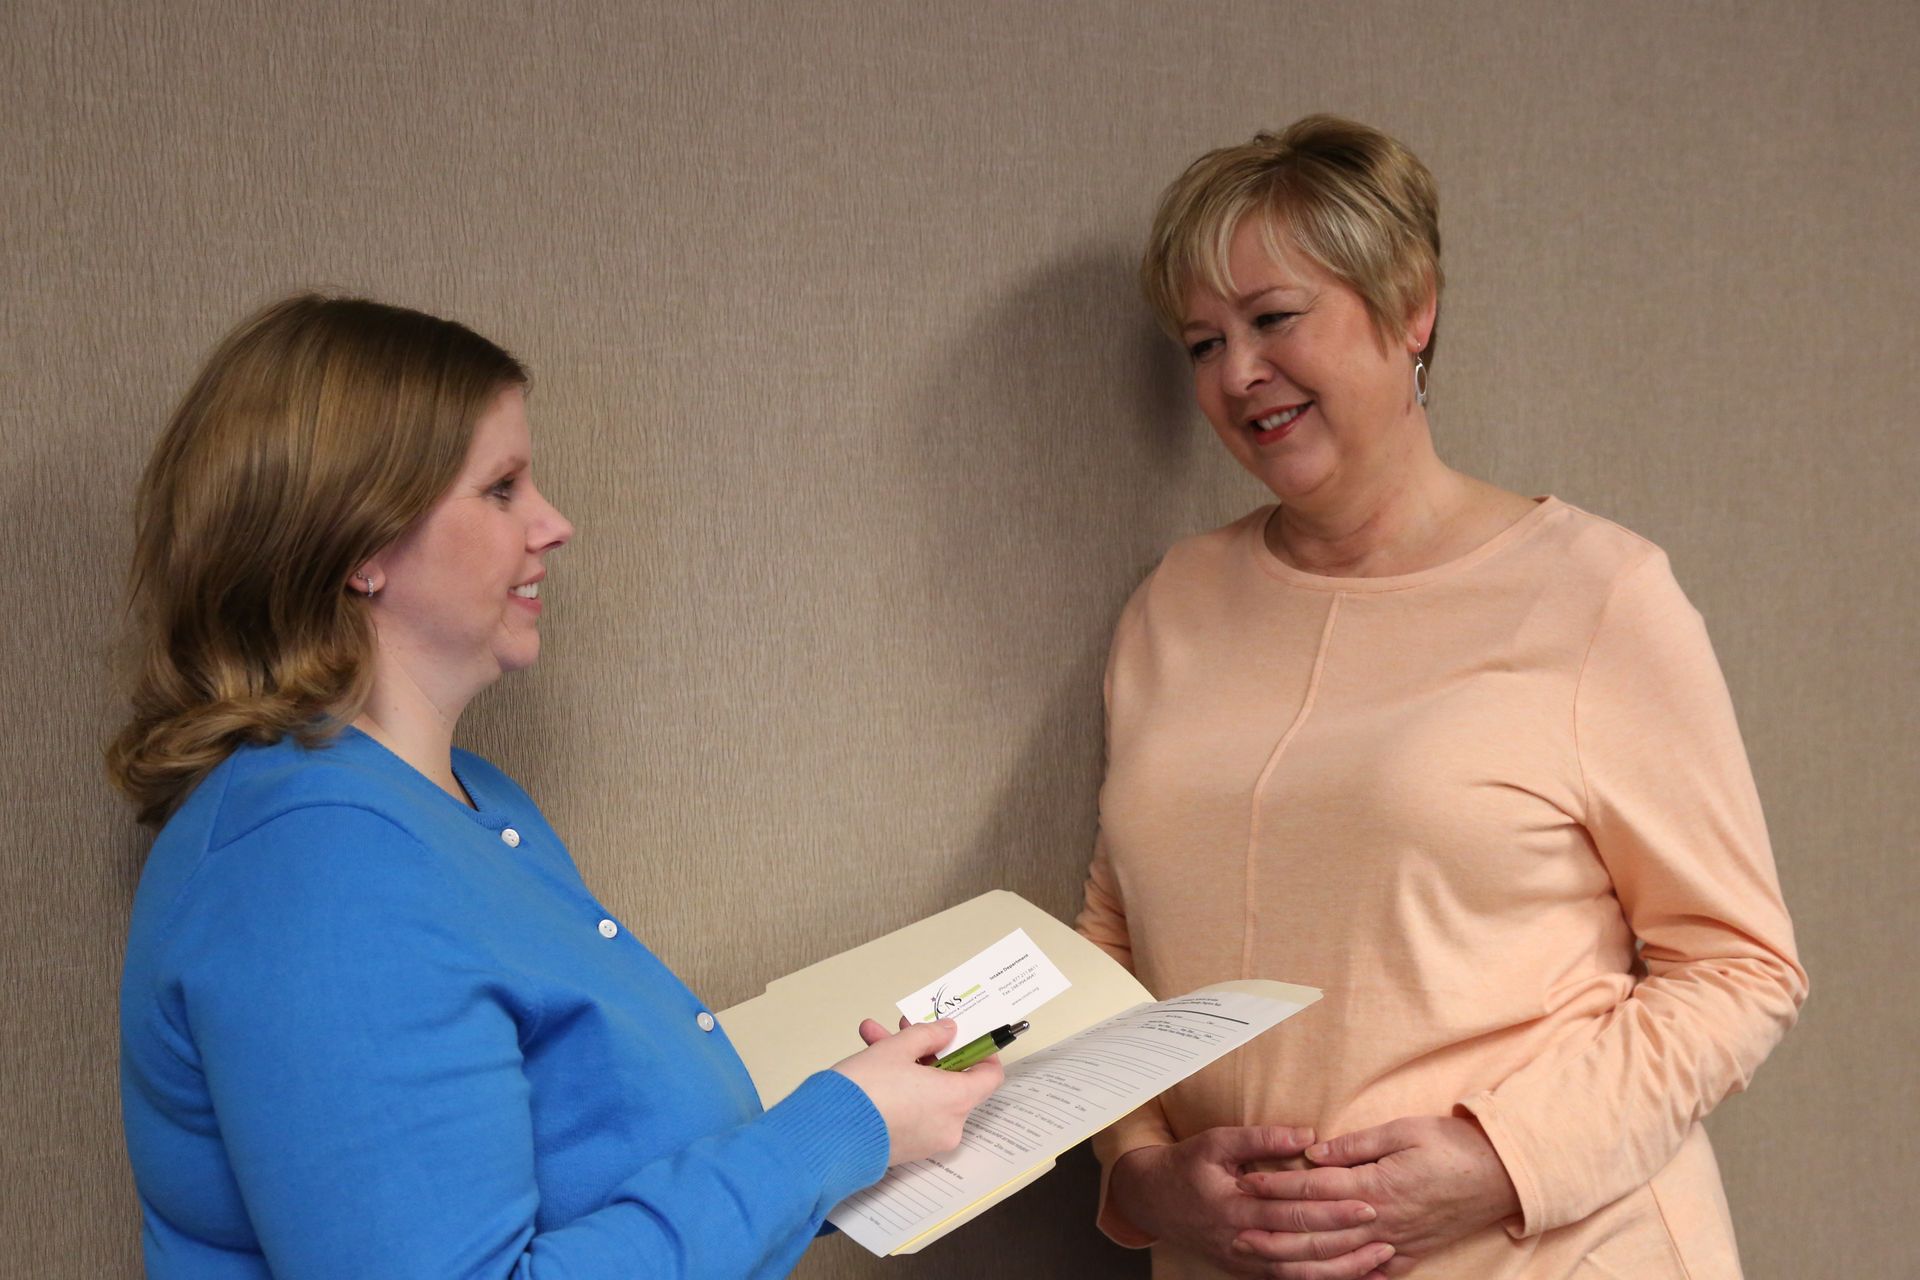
(1240, 1143)
(923, 1039)
(1362, 1146)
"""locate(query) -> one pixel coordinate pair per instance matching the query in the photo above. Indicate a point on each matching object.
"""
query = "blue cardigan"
(368, 1031)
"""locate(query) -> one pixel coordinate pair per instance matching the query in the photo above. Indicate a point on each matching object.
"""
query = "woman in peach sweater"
(1462, 758)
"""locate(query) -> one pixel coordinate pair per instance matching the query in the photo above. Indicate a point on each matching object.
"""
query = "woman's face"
(458, 601)
(1293, 376)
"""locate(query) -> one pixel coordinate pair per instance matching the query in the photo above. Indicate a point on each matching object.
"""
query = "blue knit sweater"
(368, 1031)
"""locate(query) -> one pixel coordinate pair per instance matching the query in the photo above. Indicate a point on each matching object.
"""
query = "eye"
(502, 488)
(1269, 319)
(1200, 350)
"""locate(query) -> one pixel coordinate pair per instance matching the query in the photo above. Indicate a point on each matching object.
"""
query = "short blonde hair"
(318, 432)
(1352, 199)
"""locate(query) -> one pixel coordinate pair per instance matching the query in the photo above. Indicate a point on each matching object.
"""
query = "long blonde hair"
(316, 433)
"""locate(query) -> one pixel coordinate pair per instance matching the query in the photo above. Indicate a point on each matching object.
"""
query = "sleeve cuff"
(1485, 1109)
(839, 1134)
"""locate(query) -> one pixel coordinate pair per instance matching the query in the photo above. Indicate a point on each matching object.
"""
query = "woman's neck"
(1398, 520)
(401, 717)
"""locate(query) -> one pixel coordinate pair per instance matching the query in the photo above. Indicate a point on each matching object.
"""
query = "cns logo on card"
(948, 1003)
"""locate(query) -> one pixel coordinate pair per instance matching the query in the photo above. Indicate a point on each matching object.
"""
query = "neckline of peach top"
(1284, 572)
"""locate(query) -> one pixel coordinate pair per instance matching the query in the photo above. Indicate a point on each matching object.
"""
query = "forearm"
(1578, 1131)
(1103, 921)
(743, 1203)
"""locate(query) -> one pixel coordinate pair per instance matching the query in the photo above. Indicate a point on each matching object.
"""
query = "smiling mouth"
(1271, 426)
(527, 591)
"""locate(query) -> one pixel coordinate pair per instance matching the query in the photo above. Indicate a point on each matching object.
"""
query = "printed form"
(1058, 1097)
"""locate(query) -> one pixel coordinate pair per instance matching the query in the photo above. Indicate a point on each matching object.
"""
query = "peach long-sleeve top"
(1500, 812)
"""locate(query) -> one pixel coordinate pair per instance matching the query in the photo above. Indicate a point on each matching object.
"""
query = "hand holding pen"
(924, 1111)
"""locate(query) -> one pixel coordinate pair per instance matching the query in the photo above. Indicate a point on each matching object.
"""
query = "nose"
(549, 530)
(1246, 367)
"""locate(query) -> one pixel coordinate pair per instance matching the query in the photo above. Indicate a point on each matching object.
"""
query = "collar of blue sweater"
(490, 809)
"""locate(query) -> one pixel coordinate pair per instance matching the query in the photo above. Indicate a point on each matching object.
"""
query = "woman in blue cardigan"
(372, 1021)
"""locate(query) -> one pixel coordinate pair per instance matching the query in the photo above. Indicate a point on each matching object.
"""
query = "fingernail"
(1366, 1213)
(1385, 1255)
(1318, 1151)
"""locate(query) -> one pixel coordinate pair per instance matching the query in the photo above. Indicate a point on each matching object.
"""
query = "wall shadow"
(1054, 498)
(1052, 501)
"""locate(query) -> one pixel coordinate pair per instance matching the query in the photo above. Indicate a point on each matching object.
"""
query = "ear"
(1420, 322)
(367, 580)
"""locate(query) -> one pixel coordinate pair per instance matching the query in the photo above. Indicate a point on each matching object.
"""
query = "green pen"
(980, 1050)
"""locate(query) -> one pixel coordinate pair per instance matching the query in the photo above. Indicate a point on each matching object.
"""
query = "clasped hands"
(1362, 1206)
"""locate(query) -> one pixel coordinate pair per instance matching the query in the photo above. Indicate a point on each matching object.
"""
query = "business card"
(1003, 984)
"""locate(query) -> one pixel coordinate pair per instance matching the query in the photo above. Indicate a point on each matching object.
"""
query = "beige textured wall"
(841, 373)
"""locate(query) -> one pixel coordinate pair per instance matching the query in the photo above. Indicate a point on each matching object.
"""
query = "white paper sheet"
(1056, 1098)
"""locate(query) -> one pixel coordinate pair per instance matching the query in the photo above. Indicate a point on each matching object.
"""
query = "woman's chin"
(1291, 479)
(524, 652)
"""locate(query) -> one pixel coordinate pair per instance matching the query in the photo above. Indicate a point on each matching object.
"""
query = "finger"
(872, 1032)
(1241, 1143)
(905, 1022)
(1331, 1183)
(1362, 1146)
(1352, 1266)
(1347, 1267)
(1309, 1246)
(986, 1076)
(1258, 1213)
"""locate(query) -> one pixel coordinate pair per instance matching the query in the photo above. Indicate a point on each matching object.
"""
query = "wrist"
(1503, 1195)
(1129, 1197)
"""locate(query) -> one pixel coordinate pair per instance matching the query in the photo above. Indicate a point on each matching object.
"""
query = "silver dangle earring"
(1419, 385)
(369, 581)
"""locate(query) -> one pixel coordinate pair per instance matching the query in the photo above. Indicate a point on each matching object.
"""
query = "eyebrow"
(1250, 296)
